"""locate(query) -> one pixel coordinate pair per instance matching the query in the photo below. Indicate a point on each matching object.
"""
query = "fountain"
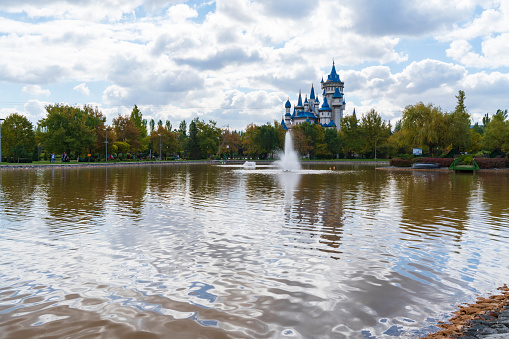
(289, 161)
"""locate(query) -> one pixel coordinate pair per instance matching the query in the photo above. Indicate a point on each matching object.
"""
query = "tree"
(208, 137)
(333, 142)
(152, 125)
(496, 133)
(249, 141)
(96, 121)
(168, 125)
(193, 147)
(233, 144)
(168, 141)
(267, 140)
(425, 125)
(18, 136)
(351, 135)
(139, 122)
(182, 137)
(313, 136)
(459, 125)
(375, 132)
(68, 129)
(300, 142)
(126, 131)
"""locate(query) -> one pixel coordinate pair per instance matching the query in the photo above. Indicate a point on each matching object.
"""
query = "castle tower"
(325, 113)
(329, 88)
(288, 116)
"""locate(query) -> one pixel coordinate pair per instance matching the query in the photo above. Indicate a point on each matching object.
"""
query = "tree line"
(82, 131)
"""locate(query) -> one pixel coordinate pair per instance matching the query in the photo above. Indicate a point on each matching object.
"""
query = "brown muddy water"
(203, 251)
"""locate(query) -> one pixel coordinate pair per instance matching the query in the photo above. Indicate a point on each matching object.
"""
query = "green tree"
(333, 142)
(351, 135)
(459, 125)
(496, 133)
(249, 141)
(208, 137)
(165, 141)
(18, 136)
(152, 125)
(267, 140)
(375, 133)
(67, 129)
(425, 126)
(168, 125)
(139, 122)
(182, 137)
(96, 121)
(193, 146)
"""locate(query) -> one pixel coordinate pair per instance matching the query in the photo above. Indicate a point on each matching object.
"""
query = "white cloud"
(36, 90)
(35, 110)
(240, 62)
(82, 88)
(114, 95)
(494, 52)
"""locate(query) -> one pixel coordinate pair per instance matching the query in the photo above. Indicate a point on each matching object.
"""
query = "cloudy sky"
(237, 61)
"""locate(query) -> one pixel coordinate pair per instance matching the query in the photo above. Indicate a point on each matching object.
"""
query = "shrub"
(19, 160)
(400, 163)
(443, 162)
(488, 163)
(465, 159)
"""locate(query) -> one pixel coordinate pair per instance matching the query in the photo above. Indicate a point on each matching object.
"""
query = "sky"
(236, 62)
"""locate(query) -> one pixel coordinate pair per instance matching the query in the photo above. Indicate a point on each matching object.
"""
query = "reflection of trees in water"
(494, 188)
(204, 182)
(129, 187)
(17, 188)
(73, 195)
(430, 201)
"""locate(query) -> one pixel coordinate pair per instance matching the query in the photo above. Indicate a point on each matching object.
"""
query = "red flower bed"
(444, 162)
(487, 163)
(400, 163)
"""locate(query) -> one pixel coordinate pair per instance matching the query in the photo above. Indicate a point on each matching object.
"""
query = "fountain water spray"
(289, 161)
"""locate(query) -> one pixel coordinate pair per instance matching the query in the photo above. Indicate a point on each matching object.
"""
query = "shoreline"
(486, 318)
(175, 162)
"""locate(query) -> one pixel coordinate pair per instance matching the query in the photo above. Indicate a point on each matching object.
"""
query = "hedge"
(487, 163)
(484, 163)
(400, 163)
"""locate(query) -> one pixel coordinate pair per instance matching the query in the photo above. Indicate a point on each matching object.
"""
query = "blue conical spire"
(337, 93)
(299, 103)
(333, 76)
(325, 105)
(312, 95)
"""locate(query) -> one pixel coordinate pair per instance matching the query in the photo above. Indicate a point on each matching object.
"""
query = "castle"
(329, 115)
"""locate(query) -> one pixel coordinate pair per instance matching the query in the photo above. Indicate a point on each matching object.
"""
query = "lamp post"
(1, 140)
(159, 147)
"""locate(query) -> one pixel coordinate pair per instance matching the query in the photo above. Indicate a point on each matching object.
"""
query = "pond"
(204, 251)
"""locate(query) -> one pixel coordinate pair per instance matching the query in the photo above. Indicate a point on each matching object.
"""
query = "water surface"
(202, 251)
